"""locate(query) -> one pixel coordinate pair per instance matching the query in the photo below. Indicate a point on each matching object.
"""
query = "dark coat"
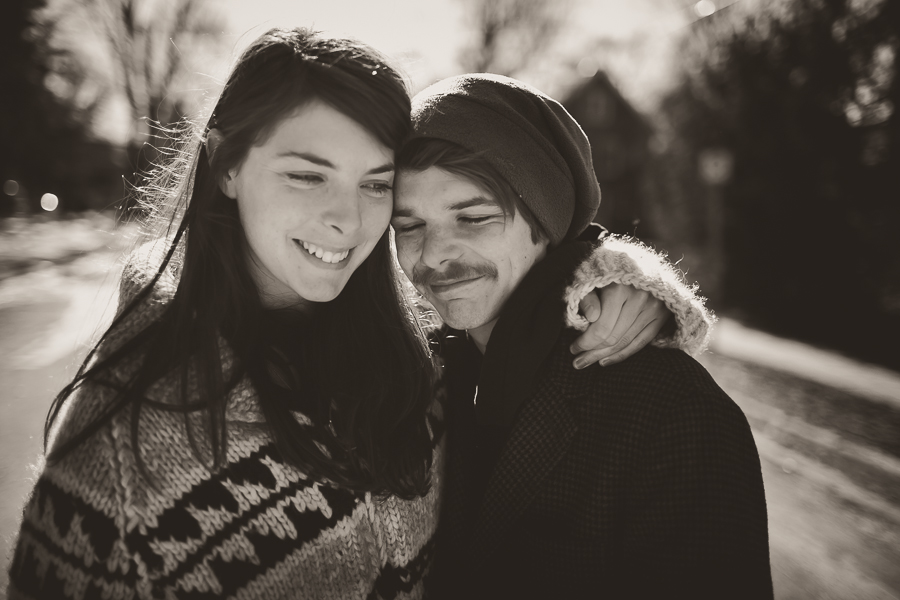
(639, 480)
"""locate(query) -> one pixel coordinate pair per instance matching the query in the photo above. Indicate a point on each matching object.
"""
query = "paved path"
(47, 317)
(828, 432)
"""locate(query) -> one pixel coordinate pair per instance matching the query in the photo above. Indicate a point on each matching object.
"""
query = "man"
(639, 480)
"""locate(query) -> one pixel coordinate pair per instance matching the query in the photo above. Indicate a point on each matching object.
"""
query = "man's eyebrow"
(476, 201)
(401, 212)
(324, 162)
(462, 204)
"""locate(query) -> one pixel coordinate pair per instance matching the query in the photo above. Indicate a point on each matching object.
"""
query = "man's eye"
(476, 220)
(401, 229)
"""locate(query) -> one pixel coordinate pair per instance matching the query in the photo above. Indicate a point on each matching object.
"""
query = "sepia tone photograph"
(449, 299)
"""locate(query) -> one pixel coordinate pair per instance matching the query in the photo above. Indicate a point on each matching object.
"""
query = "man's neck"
(481, 334)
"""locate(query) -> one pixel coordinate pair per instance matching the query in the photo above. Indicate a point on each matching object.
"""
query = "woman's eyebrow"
(387, 167)
(316, 160)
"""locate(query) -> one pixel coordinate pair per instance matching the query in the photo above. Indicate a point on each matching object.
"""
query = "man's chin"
(459, 315)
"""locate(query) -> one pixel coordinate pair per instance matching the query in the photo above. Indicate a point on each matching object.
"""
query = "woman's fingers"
(640, 340)
(636, 324)
(590, 306)
(629, 322)
(609, 304)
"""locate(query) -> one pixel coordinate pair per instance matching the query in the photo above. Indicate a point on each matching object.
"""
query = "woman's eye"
(379, 189)
(305, 178)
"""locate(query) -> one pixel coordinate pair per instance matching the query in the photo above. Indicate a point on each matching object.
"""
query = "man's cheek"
(406, 253)
(406, 260)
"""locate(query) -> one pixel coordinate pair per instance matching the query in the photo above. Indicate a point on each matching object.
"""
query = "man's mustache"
(455, 271)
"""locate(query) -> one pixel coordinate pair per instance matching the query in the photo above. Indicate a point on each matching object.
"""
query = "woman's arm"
(639, 289)
(72, 542)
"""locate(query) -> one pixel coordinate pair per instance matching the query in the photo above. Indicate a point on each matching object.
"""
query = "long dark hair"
(368, 385)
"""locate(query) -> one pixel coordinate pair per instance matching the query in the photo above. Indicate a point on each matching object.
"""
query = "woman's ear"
(214, 137)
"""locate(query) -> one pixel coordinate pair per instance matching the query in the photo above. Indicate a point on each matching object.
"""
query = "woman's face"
(314, 199)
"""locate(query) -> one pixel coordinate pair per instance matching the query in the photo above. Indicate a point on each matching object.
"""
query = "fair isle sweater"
(257, 528)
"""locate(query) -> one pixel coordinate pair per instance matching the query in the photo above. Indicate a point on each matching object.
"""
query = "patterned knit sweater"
(257, 528)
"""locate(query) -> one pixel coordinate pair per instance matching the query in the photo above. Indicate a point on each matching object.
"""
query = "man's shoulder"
(671, 367)
(650, 367)
(648, 386)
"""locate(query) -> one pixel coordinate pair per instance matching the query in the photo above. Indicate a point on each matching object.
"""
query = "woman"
(259, 421)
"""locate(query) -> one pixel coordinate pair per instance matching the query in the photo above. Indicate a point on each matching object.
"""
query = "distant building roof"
(581, 100)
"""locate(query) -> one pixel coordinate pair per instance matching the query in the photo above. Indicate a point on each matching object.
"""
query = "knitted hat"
(532, 141)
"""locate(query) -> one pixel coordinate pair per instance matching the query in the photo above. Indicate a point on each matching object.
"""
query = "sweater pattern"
(257, 528)
(95, 527)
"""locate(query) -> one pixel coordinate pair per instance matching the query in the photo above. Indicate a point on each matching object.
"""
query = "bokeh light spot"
(49, 202)
(11, 187)
(704, 8)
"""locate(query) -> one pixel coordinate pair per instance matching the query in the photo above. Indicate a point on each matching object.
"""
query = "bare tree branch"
(144, 40)
(511, 33)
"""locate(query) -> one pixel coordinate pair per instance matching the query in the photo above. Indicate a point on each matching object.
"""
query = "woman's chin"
(319, 295)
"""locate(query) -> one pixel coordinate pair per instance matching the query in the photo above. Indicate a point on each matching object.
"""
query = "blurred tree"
(803, 93)
(39, 128)
(146, 42)
(509, 34)
(62, 62)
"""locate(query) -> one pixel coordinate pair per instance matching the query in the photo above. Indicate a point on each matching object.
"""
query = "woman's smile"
(322, 257)
(329, 256)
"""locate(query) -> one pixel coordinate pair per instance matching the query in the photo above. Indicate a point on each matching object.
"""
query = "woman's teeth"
(324, 255)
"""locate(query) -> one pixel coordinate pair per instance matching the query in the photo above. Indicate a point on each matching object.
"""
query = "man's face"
(459, 249)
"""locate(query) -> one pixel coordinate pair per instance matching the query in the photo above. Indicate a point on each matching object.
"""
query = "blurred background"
(756, 142)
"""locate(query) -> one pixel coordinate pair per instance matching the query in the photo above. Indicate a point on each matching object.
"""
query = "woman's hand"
(622, 320)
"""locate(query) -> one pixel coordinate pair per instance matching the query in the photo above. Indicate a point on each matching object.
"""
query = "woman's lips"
(326, 256)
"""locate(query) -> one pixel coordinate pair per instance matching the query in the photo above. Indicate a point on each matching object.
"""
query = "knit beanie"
(532, 141)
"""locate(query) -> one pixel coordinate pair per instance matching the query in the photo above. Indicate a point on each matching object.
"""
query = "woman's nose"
(344, 213)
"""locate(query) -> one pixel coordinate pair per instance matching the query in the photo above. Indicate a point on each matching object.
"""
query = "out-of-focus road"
(828, 433)
(47, 317)
(827, 428)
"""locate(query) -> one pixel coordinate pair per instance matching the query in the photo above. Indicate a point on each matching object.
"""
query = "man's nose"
(439, 246)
